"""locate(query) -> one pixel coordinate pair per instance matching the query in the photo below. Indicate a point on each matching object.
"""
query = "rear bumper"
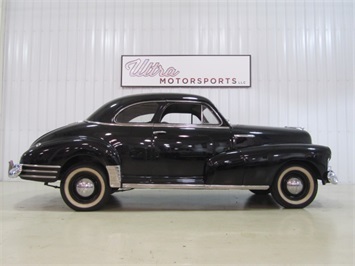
(332, 177)
(42, 173)
(14, 169)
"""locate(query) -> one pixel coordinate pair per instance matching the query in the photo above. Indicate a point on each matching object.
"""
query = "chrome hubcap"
(85, 187)
(294, 185)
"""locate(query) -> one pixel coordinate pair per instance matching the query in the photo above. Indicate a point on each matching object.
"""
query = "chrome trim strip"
(159, 132)
(40, 171)
(42, 166)
(120, 124)
(244, 136)
(114, 175)
(38, 176)
(187, 186)
(160, 125)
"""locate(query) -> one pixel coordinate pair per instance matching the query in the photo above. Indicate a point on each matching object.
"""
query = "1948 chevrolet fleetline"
(173, 141)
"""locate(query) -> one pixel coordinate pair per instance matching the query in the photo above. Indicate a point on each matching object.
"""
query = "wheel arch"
(302, 163)
(92, 151)
(83, 159)
(111, 169)
(318, 171)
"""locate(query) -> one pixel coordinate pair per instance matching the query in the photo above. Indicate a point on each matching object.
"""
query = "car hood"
(258, 135)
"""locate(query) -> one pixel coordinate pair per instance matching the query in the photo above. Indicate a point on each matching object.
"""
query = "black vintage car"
(173, 141)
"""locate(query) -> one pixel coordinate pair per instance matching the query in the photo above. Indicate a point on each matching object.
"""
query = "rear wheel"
(84, 188)
(294, 187)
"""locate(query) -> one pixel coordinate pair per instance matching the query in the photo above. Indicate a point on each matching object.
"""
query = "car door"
(186, 135)
(134, 139)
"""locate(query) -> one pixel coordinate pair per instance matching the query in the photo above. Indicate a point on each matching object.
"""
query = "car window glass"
(176, 118)
(189, 113)
(138, 113)
(209, 117)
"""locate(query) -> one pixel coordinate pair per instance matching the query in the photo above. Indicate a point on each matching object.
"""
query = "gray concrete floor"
(172, 227)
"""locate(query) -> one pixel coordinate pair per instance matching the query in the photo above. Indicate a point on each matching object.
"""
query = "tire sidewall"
(308, 194)
(72, 199)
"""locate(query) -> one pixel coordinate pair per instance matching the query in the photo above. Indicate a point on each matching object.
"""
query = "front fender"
(258, 165)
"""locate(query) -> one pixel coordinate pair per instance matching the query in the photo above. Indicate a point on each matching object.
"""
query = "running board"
(192, 186)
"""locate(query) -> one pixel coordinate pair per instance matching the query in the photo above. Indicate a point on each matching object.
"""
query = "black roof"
(106, 112)
(158, 97)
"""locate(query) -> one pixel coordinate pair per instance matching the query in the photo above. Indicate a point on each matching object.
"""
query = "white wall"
(62, 61)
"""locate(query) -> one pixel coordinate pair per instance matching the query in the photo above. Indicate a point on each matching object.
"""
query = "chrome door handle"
(159, 132)
(244, 136)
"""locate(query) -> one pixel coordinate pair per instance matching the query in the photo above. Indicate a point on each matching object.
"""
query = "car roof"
(159, 96)
(106, 112)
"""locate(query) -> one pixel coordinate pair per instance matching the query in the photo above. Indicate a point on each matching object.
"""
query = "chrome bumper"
(14, 169)
(332, 177)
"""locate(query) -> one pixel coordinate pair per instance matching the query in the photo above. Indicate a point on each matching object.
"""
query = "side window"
(209, 117)
(180, 118)
(189, 113)
(138, 113)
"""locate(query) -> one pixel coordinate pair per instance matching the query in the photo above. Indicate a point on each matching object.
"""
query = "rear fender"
(61, 151)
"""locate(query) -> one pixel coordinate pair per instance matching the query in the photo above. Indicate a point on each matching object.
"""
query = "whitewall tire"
(84, 188)
(294, 187)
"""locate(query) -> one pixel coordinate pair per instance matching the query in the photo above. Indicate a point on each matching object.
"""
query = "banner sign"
(232, 71)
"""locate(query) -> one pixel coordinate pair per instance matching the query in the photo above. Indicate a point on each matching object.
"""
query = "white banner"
(186, 71)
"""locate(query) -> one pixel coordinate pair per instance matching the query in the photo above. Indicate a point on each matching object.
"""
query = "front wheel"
(84, 188)
(294, 187)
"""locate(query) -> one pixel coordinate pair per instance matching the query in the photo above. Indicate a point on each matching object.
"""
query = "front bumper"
(34, 172)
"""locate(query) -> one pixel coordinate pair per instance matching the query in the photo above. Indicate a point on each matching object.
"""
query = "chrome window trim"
(169, 102)
(121, 124)
(187, 126)
(157, 125)
(214, 126)
(114, 119)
